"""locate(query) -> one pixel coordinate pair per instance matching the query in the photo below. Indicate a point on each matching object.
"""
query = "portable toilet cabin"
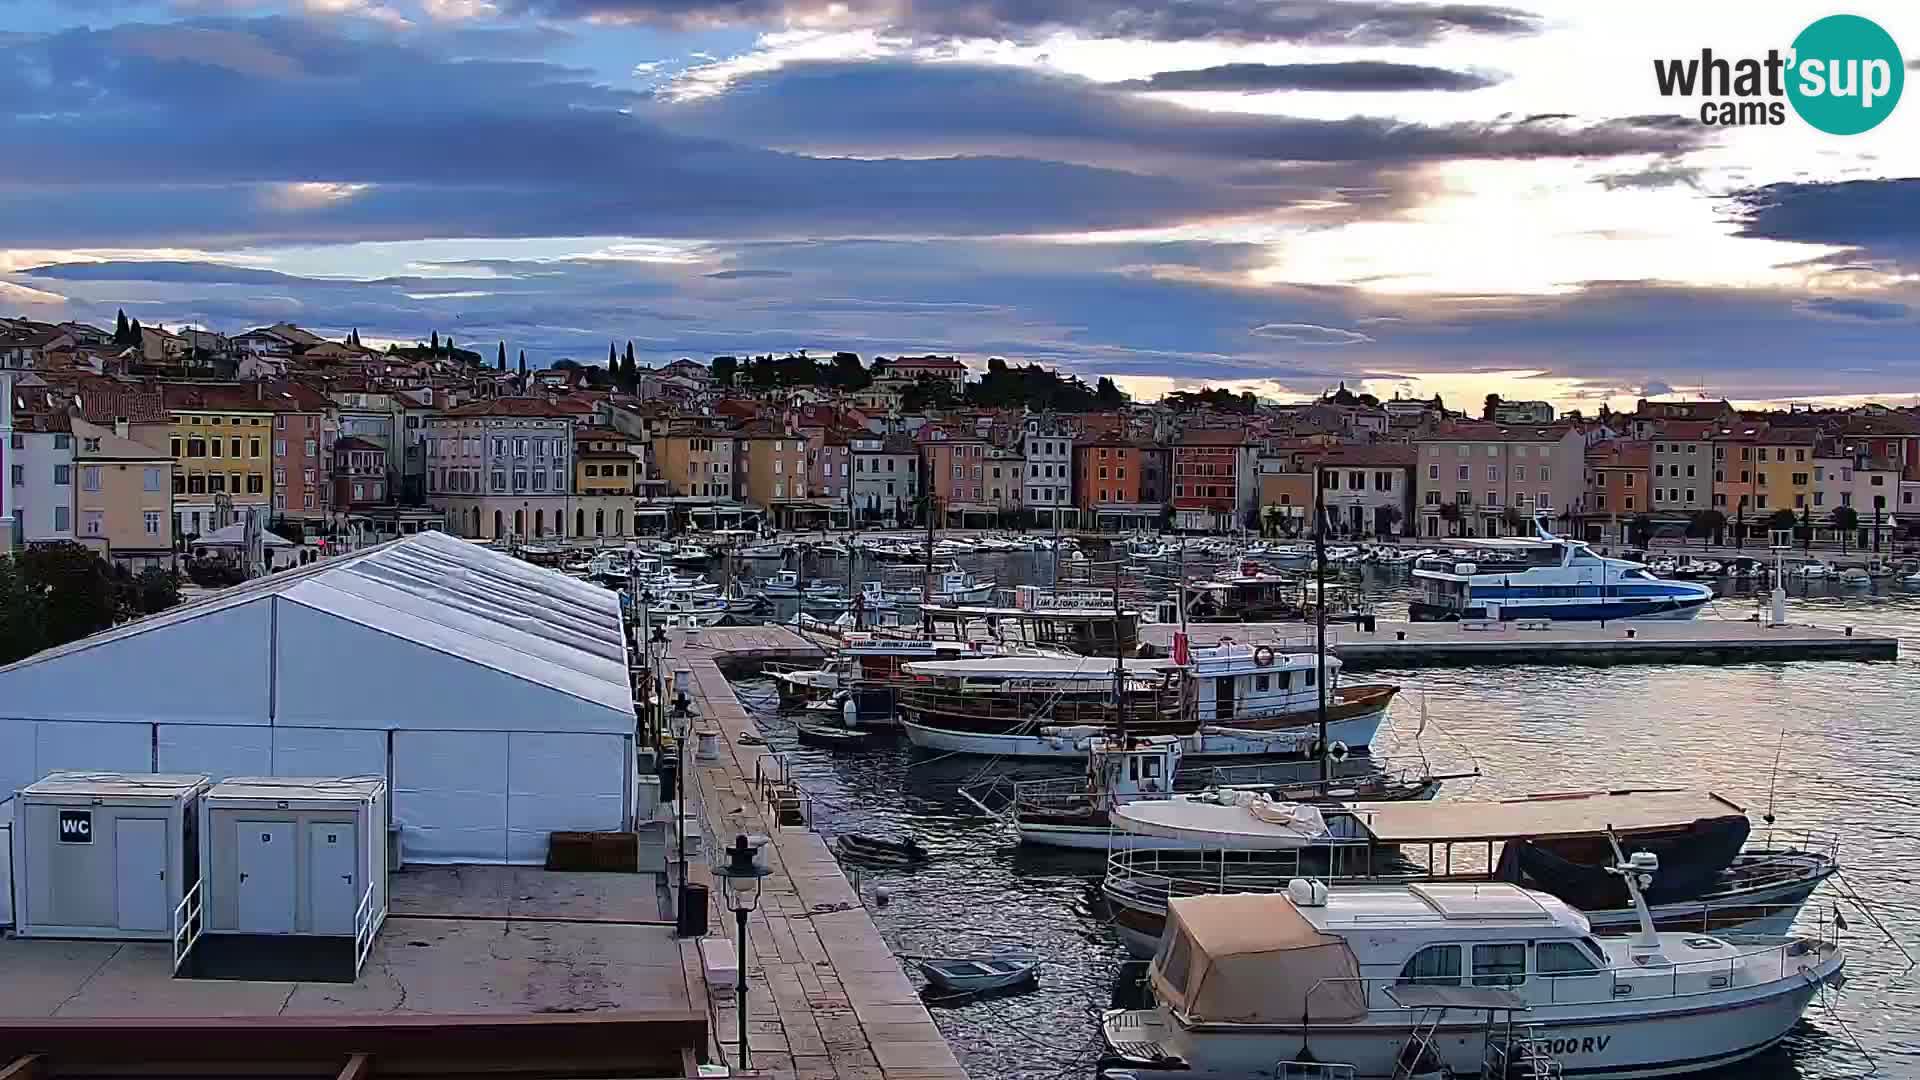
(6, 863)
(105, 855)
(296, 877)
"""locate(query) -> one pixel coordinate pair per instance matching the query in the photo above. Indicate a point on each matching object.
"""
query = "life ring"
(1263, 656)
(1338, 751)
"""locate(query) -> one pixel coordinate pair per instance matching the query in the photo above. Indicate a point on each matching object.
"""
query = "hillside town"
(143, 443)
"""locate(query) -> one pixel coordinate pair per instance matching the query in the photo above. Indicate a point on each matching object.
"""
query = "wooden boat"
(831, 737)
(972, 974)
(881, 850)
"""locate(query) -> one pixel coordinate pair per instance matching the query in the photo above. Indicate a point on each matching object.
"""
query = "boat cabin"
(1088, 630)
(1240, 682)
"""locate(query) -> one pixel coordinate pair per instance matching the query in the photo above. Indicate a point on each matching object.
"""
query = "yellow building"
(221, 443)
(605, 468)
(1783, 470)
(696, 460)
(122, 497)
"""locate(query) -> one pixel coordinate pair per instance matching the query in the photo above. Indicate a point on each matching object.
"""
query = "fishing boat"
(1556, 843)
(1855, 577)
(1072, 812)
(832, 549)
(1812, 570)
(951, 585)
(689, 555)
(973, 974)
(770, 550)
(785, 583)
(881, 850)
(798, 684)
(834, 737)
(1230, 700)
(1248, 985)
(1548, 577)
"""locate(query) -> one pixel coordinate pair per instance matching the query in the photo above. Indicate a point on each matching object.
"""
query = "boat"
(770, 550)
(1855, 577)
(880, 850)
(1245, 985)
(689, 555)
(1745, 568)
(952, 585)
(973, 974)
(833, 737)
(1072, 812)
(1555, 842)
(797, 685)
(1812, 570)
(1548, 577)
(1230, 700)
(832, 548)
(785, 583)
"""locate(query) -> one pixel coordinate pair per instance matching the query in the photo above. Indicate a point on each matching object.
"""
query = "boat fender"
(1263, 656)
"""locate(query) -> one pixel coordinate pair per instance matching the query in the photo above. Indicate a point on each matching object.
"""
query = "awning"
(1254, 959)
(1539, 817)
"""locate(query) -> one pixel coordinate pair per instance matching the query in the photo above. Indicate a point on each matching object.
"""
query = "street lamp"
(682, 728)
(740, 878)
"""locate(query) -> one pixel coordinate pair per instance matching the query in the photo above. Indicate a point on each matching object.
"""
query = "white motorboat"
(833, 548)
(690, 555)
(772, 550)
(973, 974)
(784, 583)
(1854, 577)
(1813, 570)
(1244, 985)
(1548, 577)
(952, 586)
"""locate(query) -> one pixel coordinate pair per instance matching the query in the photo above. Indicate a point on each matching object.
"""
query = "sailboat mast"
(926, 581)
(1119, 665)
(1320, 616)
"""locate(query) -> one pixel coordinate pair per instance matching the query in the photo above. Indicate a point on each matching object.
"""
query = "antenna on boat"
(1637, 874)
(1773, 778)
(1119, 665)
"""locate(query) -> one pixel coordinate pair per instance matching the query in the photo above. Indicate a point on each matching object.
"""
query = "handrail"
(186, 925)
(363, 929)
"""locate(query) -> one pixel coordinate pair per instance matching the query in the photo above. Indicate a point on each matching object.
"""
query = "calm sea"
(1829, 747)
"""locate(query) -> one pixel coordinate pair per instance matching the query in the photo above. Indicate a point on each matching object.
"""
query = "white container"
(286, 855)
(6, 863)
(104, 855)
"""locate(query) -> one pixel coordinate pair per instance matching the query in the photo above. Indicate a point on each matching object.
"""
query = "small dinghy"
(994, 971)
(832, 737)
(880, 850)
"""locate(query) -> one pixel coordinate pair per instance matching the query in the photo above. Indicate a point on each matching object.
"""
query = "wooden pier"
(1448, 644)
(826, 998)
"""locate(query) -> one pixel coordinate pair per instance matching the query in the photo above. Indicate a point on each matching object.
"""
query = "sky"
(1272, 195)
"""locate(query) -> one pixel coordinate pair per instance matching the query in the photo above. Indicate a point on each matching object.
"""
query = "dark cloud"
(1852, 307)
(1309, 334)
(1353, 75)
(900, 107)
(1880, 218)
(132, 135)
(163, 270)
(732, 275)
(1654, 176)
(1317, 22)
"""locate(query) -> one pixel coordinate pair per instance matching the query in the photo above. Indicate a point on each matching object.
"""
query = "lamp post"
(682, 727)
(740, 877)
(656, 658)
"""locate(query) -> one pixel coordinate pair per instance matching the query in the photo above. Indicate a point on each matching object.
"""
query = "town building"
(1498, 478)
(1783, 469)
(914, 368)
(771, 463)
(39, 474)
(220, 441)
(1682, 469)
(886, 478)
(1110, 484)
(1367, 490)
(1523, 412)
(696, 456)
(957, 472)
(1048, 446)
(502, 468)
(1286, 497)
(359, 474)
(122, 497)
(604, 468)
(1215, 480)
(303, 425)
(1619, 489)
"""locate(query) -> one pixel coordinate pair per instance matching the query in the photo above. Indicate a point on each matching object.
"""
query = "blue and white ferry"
(1548, 577)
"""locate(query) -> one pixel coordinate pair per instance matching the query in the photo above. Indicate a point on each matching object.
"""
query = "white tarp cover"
(1246, 958)
(1248, 822)
(503, 688)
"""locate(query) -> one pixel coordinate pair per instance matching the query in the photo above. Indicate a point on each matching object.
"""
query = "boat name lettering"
(1585, 1044)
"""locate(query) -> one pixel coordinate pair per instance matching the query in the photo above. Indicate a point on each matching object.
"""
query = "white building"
(40, 476)
(1049, 480)
(492, 695)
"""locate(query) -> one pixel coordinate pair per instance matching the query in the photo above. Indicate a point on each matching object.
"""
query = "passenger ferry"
(1549, 577)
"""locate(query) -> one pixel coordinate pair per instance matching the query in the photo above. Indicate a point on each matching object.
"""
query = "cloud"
(1851, 307)
(352, 137)
(1652, 177)
(1372, 76)
(1306, 22)
(1655, 388)
(1878, 217)
(842, 107)
(734, 275)
(1307, 334)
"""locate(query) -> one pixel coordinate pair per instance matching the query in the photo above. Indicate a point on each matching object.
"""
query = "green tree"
(434, 344)
(1845, 520)
(629, 371)
(1490, 407)
(75, 595)
(523, 361)
(1512, 518)
(1781, 520)
(1107, 394)
(500, 359)
(613, 360)
(927, 392)
(150, 592)
(1390, 517)
(848, 373)
(1450, 513)
(288, 529)
(1707, 524)
(120, 328)
(1639, 530)
(134, 336)
(353, 339)
(724, 370)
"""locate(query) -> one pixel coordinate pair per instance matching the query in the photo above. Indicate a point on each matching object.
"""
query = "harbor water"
(1827, 747)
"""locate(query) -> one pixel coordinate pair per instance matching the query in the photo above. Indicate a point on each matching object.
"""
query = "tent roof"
(444, 594)
(1579, 813)
(236, 534)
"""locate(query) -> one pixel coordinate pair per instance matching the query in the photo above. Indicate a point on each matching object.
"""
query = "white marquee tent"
(492, 694)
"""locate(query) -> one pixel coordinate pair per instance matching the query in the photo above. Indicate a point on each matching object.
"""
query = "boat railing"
(1749, 963)
(1036, 706)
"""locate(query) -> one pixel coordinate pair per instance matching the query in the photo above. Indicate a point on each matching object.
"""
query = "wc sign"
(76, 826)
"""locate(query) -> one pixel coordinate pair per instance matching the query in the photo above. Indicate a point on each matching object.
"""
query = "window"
(280, 447)
(499, 480)
(61, 522)
(1433, 472)
(1433, 498)
(1493, 473)
(312, 448)
(92, 522)
(19, 475)
(1493, 499)
(1519, 474)
(1689, 494)
(1466, 472)
(214, 446)
(280, 422)
(1629, 479)
(153, 522)
(1629, 502)
(1500, 965)
(1545, 501)
(1435, 965)
(196, 485)
(1876, 480)
(150, 480)
(235, 446)
(63, 474)
(1554, 959)
(1761, 502)
(253, 447)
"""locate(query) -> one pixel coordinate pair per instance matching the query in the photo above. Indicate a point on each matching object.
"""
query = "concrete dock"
(1444, 644)
(826, 996)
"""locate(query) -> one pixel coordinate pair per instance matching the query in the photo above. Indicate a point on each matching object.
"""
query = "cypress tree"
(133, 333)
(120, 328)
(613, 360)
(523, 363)
(435, 346)
(501, 363)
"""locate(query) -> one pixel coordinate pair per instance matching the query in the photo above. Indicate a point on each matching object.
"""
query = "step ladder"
(1519, 1053)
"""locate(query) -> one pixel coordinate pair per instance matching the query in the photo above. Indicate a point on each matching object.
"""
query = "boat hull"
(1611, 1038)
(1215, 743)
(1682, 608)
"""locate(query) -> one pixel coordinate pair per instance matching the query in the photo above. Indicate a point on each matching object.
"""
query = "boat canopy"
(1090, 668)
(1536, 817)
(1245, 958)
(1478, 998)
(1248, 822)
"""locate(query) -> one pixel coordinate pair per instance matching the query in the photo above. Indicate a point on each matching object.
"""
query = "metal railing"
(186, 926)
(364, 916)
